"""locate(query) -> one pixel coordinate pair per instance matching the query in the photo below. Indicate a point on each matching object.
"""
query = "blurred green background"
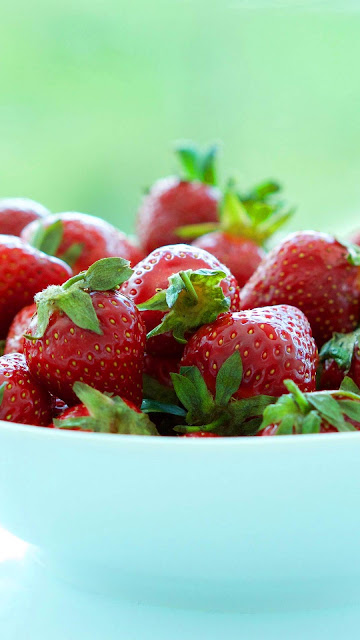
(94, 92)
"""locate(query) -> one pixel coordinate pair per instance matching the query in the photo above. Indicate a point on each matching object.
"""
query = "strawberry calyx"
(107, 414)
(255, 215)
(353, 256)
(193, 298)
(300, 413)
(341, 349)
(219, 414)
(73, 297)
(48, 239)
(196, 164)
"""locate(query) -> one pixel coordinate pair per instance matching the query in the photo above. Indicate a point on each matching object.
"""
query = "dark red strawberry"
(16, 213)
(329, 376)
(23, 272)
(104, 414)
(173, 202)
(88, 331)
(171, 265)
(160, 368)
(317, 274)
(246, 223)
(22, 398)
(15, 337)
(274, 343)
(317, 412)
(80, 239)
(341, 357)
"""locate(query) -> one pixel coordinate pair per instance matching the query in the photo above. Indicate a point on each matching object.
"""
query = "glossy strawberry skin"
(152, 274)
(15, 337)
(173, 203)
(25, 401)
(23, 272)
(309, 270)
(332, 375)
(275, 344)
(16, 213)
(112, 362)
(240, 255)
(98, 238)
(160, 368)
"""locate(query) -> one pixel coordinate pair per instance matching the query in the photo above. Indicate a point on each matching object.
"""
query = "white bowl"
(235, 523)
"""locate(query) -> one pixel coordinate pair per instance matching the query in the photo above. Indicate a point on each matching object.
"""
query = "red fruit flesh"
(310, 271)
(173, 203)
(275, 344)
(240, 255)
(16, 213)
(24, 401)
(23, 272)
(112, 362)
(98, 238)
(15, 337)
(152, 274)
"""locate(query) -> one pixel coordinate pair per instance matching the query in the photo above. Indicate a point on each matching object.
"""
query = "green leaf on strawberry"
(196, 164)
(341, 349)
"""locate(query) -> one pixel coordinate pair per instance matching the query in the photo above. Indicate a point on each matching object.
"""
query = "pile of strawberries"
(193, 329)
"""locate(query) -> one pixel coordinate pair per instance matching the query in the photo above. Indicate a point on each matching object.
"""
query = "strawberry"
(160, 368)
(22, 398)
(200, 434)
(317, 412)
(16, 213)
(173, 202)
(104, 414)
(329, 375)
(23, 272)
(274, 343)
(246, 223)
(341, 357)
(317, 274)
(87, 331)
(80, 239)
(15, 337)
(179, 278)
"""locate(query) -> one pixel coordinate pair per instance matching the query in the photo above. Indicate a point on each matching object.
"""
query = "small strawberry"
(15, 337)
(23, 272)
(103, 414)
(317, 412)
(246, 223)
(341, 357)
(16, 213)
(173, 202)
(317, 274)
(80, 239)
(274, 343)
(87, 331)
(22, 398)
(179, 278)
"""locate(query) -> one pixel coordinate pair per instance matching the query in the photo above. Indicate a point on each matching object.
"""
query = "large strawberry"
(103, 414)
(22, 398)
(80, 239)
(189, 282)
(245, 225)
(87, 331)
(275, 344)
(318, 412)
(16, 213)
(23, 272)
(173, 202)
(15, 337)
(317, 274)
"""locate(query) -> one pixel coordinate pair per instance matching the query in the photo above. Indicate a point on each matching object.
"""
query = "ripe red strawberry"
(15, 337)
(330, 376)
(148, 288)
(317, 412)
(23, 272)
(341, 357)
(80, 239)
(315, 273)
(22, 398)
(173, 202)
(201, 434)
(275, 344)
(104, 414)
(16, 213)
(160, 368)
(88, 331)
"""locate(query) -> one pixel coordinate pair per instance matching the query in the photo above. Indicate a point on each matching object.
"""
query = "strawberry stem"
(193, 297)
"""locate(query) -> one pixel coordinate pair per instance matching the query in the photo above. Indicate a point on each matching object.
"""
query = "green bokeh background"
(94, 92)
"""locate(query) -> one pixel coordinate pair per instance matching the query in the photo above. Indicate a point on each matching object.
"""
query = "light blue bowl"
(245, 524)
